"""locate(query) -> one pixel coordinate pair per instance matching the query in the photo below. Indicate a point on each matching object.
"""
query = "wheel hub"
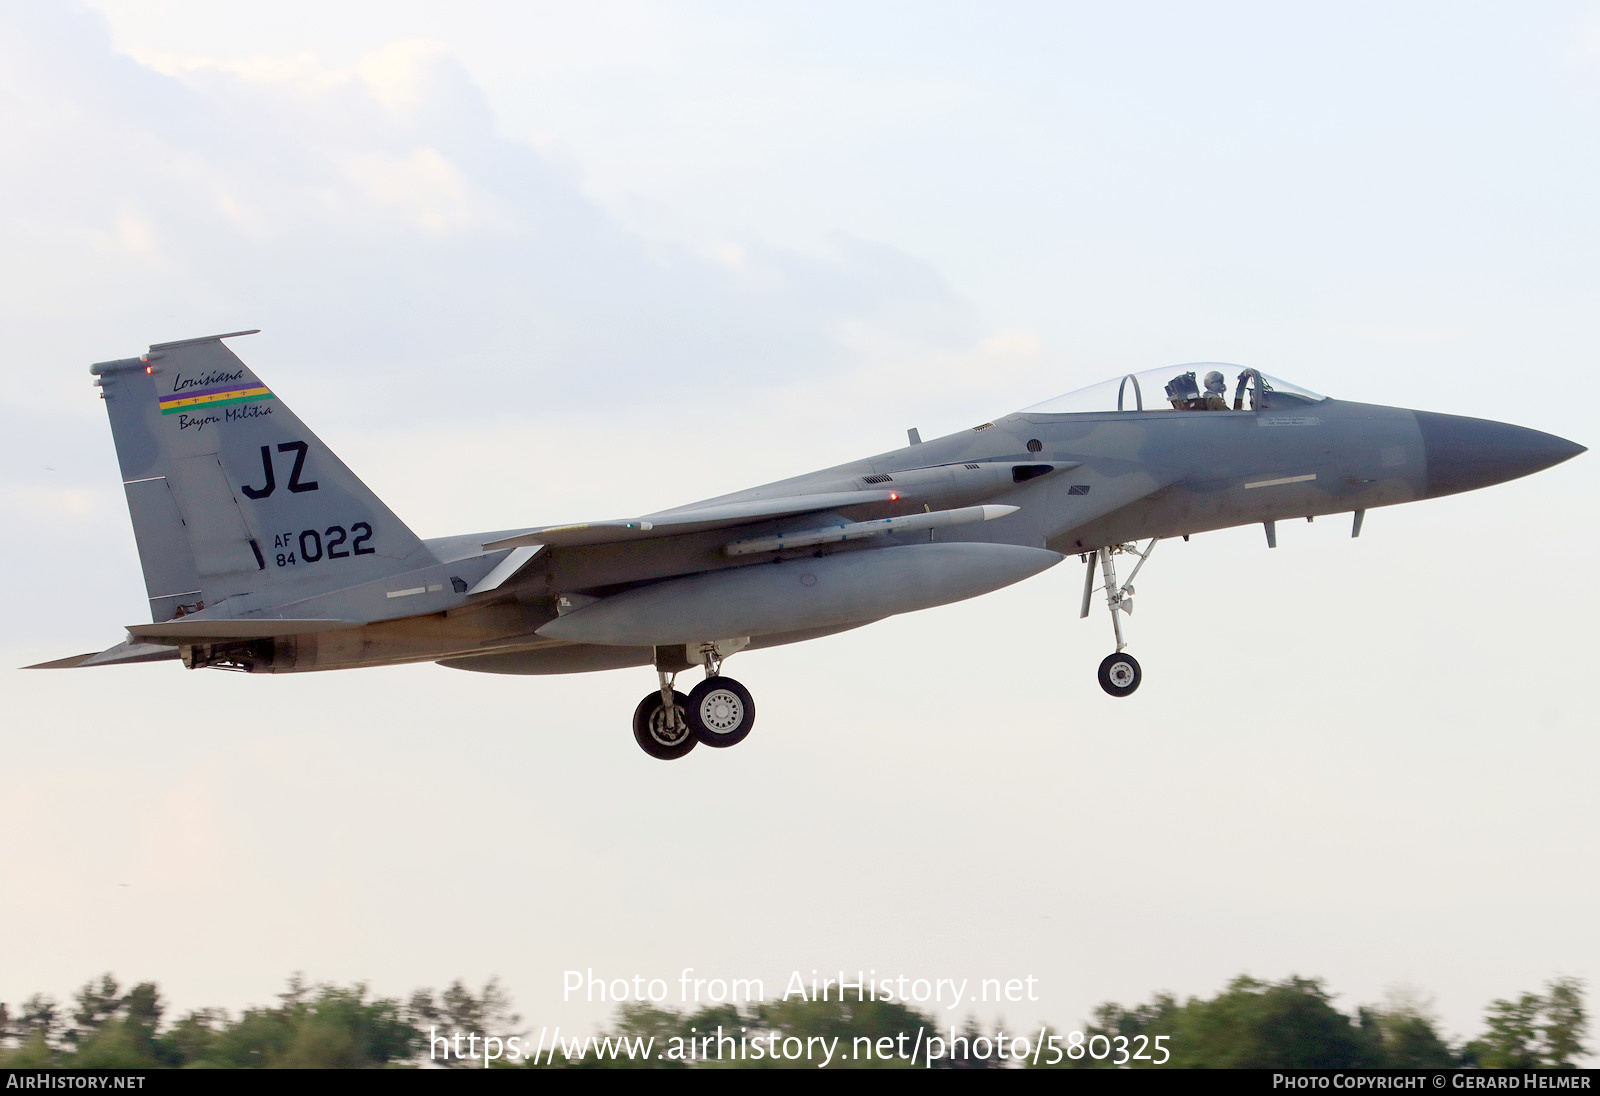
(721, 711)
(668, 736)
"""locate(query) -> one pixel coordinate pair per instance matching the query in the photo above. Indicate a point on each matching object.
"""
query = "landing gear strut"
(1119, 672)
(718, 712)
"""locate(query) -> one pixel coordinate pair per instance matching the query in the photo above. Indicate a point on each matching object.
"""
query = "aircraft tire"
(721, 712)
(650, 731)
(1120, 674)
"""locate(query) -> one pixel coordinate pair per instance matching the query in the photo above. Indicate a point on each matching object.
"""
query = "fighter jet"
(262, 552)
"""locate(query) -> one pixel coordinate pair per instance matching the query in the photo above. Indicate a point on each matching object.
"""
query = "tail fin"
(232, 498)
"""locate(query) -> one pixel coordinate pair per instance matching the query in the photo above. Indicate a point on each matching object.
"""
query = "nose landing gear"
(1119, 672)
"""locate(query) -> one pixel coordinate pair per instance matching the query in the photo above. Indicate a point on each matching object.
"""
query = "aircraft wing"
(159, 641)
(124, 652)
(672, 523)
(184, 630)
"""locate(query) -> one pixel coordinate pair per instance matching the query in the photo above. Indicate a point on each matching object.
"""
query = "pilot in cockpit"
(1184, 393)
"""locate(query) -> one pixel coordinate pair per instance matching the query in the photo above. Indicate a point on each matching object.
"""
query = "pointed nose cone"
(1464, 454)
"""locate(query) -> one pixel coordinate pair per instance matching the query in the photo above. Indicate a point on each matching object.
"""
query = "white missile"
(832, 534)
(788, 595)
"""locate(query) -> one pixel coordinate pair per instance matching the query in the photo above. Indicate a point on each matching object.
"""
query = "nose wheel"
(1119, 674)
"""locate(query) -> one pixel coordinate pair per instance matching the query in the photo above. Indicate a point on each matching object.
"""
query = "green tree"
(97, 1004)
(1535, 1030)
(844, 1021)
(141, 1018)
(351, 1030)
(459, 1011)
(34, 1053)
(38, 1019)
(326, 1027)
(114, 1045)
(847, 1021)
(964, 1052)
(257, 1040)
(1566, 1025)
(191, 1040)
(26, 1039)
(1405, 1034)
(1512, 1039)
(1251, 1025)
(637, 1020)
(1258, 1025)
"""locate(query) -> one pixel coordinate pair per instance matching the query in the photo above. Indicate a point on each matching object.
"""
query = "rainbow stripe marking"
(207, 398)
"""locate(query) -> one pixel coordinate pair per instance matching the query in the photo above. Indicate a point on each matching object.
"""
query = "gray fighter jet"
(263, 552)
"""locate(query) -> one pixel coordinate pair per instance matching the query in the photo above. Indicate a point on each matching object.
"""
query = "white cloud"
(374, 215)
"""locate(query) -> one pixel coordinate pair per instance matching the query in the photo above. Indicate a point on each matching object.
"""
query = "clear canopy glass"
(1180, 388)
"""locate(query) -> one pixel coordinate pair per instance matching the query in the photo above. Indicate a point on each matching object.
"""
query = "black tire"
(650, 729)
(721, 712)
(1120, 674)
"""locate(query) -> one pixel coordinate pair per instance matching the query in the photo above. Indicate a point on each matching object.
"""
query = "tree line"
(1249, 1024)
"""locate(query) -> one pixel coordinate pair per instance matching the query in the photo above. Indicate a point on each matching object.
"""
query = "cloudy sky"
(521, 264)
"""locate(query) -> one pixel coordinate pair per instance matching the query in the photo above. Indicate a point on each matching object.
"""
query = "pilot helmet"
(1216, 382)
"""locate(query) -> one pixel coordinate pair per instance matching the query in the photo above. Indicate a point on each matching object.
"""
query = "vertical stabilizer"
(233, 500)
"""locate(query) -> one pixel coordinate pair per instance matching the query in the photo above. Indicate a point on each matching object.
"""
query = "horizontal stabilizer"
(124, 652)
(191, 631)
(688, 521)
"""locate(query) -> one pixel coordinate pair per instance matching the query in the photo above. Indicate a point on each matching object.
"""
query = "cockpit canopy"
(1182, 388)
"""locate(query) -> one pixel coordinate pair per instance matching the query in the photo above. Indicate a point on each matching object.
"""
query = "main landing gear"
(662, 731)
(1119, 672)
(718, 712)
